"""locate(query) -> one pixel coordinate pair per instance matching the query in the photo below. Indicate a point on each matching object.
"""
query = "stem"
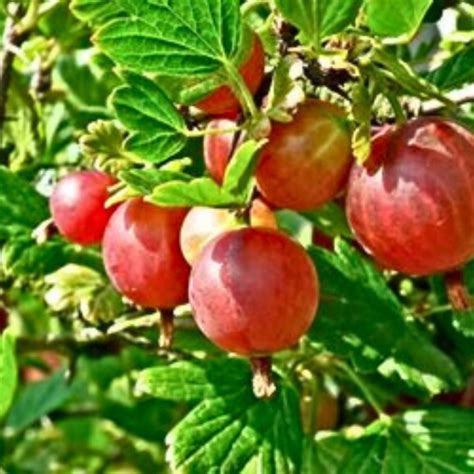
(364, 389)
(241, 90)
(15, 33)
(11, 39)
(263, 385)
(167, 329)
(28, 22)
(310, 403)
(211, 131)
(458, 294)
(400, 116)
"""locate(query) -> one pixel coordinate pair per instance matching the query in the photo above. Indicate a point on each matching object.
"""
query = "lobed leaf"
(229, 426)
(22, 256)
(397, 17)
(318, 19)
(432, 440)
(175, 37)
(455, 72)
(158, 131)
(197, 192)
(96, 12)
(22, 208)
(360, 317)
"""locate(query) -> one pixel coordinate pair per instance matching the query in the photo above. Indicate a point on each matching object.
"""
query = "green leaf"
(463, 321)
(396, 17)
(191, 381)
(158, 130)
(433, 441)
(396, 70)
(8, 371)
(39, 399)
(360, 317)
(22, 256)
(198, 192)
(84, 90)
(238, 179)
(175, 37)
(318, 19)
(325, 455)
(96, 12)
(362, 115)
(229, 426)
(331, 220)
(144, 181)
(21, 207)
(455, 72)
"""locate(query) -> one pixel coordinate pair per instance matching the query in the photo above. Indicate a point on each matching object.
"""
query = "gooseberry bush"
(237, 236)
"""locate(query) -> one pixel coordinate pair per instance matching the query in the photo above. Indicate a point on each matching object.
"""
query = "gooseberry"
(306, 162)
(202, 224)
(218, 148)
(142, 254)
(78, 206)
(254, 291)
(415, 212)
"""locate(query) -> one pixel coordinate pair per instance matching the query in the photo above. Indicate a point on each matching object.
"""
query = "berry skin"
(218, 149)
(202, 224)
(415, 213)
(254, 291)
(142, 254)
(222, 102)
(306, 162)
(78, 206)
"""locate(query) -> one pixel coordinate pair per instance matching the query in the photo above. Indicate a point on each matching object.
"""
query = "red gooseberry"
(142, 254)
(218, 148)
(254, 291)
(306, 162)
(202, 224)
(415, 212)
(78, 206)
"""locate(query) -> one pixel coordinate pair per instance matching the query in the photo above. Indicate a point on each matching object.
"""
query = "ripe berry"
(78, 206)
(306, 162)
(202, 224)
(142, 254)
(254, 291)
(222, 102)
(415, 213)
(218, 149)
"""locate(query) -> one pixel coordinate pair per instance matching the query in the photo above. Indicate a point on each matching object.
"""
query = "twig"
(433, 107)
(11, 40)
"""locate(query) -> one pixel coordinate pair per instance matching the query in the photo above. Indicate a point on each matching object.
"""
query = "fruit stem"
(212, 131)
(240, 89)
(166, 329)
(263, 385)
(458, 294)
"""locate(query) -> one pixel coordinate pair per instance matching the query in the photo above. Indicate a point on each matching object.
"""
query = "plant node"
(167, 329)
(458, 294)
(263, 385)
